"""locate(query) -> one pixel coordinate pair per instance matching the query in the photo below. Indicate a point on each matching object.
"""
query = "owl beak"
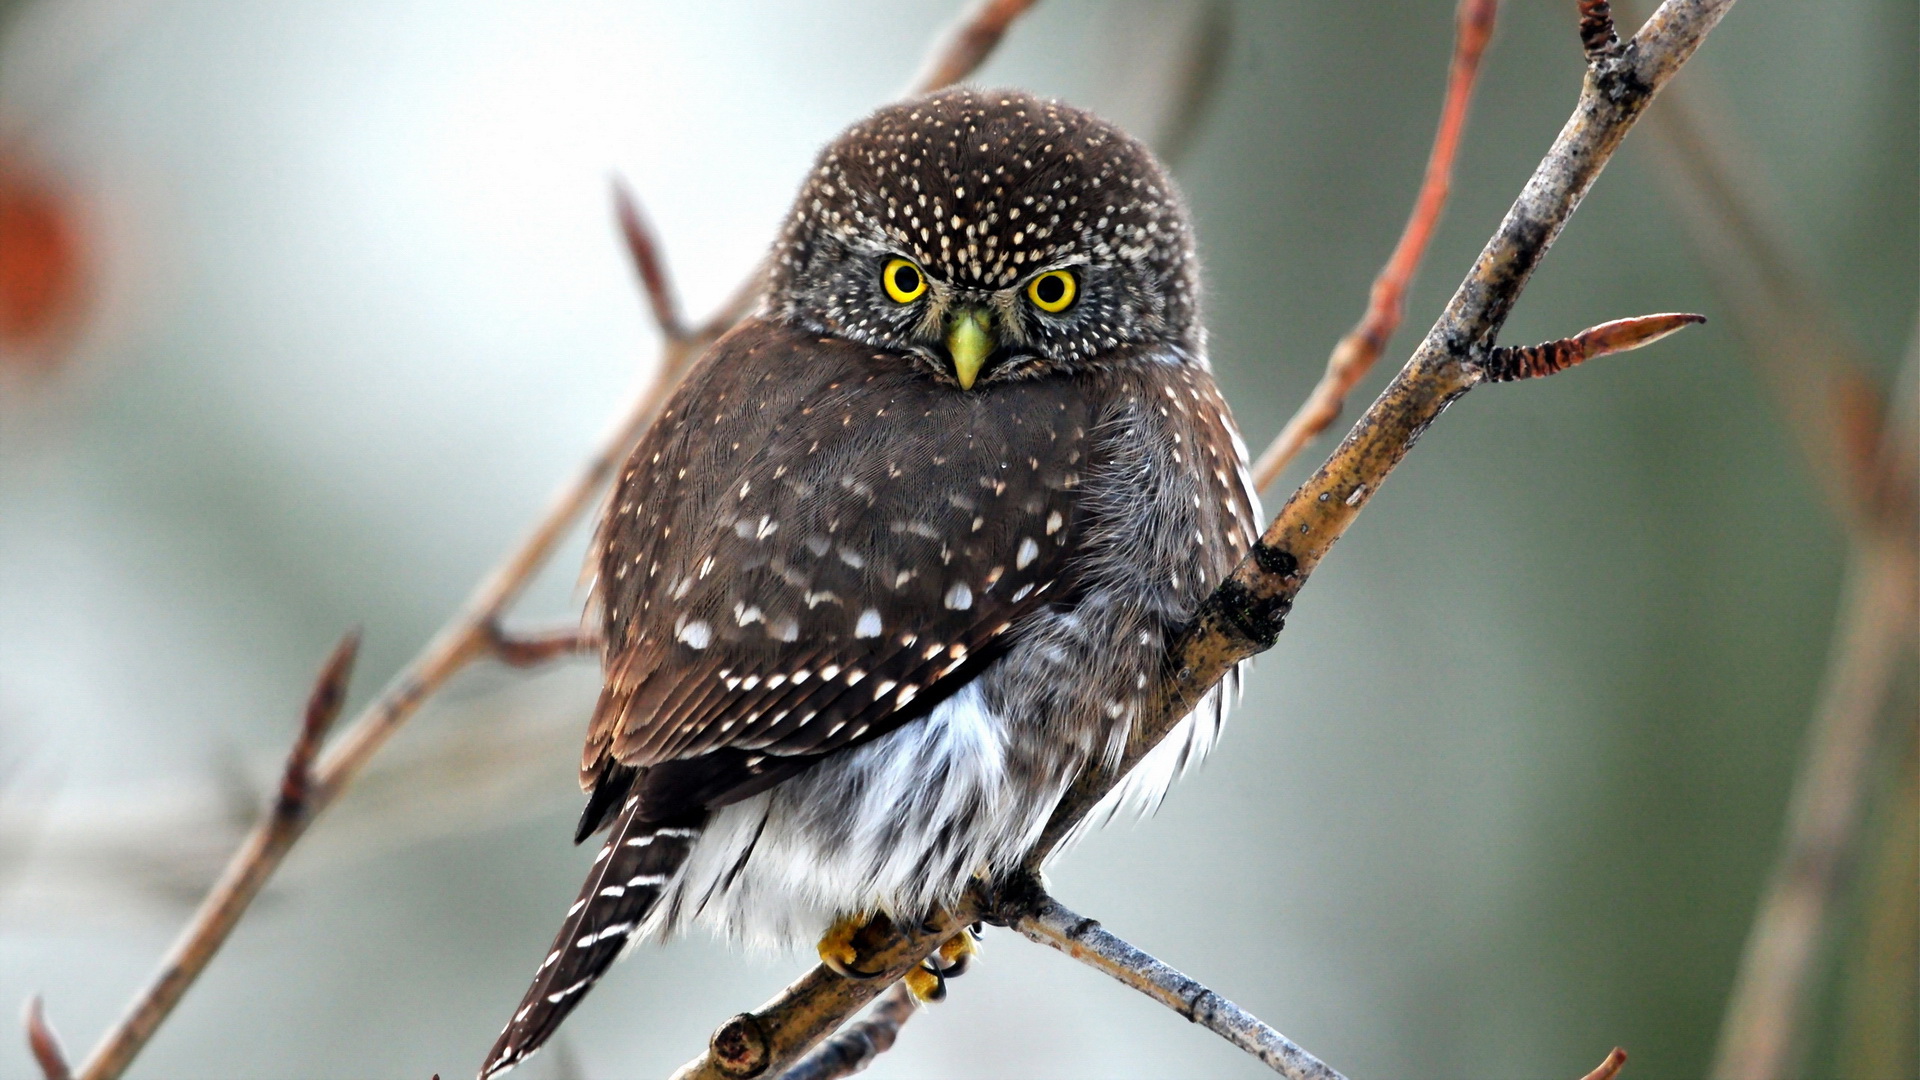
(969, 342)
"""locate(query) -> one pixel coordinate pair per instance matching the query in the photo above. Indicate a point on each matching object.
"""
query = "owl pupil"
(906, 278)
(1050, 290)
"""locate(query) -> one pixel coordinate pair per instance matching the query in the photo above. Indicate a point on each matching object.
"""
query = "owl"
(903, 555)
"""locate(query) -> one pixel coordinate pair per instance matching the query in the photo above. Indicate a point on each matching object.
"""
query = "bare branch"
(1509, 363)
(1356, 353)
(643, 247)
(1770, 998)
(473, 631)
(967, 44)
(1596, 31)
(860, 1042)
(533, 649)
(323, 707)
(1813, 371)
(1050, 923)
(303, 791)
(1610, 1068)
(1864, 463)
(1245, 615)
(44, 1044)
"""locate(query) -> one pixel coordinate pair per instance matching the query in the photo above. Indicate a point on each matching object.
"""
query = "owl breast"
(1121, 499)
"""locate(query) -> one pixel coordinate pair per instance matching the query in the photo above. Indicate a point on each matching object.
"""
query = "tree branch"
(473, 631)
(967, 44)
(859, 1043)
(540, 646)
(1863, 462)
(1245, 615)
(293, 808)
(1050, 923)
(43, 1043)
(1356, 353)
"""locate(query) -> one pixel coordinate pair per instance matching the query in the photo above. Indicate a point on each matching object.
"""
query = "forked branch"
(473, 632)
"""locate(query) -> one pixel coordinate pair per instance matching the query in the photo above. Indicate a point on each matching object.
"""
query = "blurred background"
(309, 307)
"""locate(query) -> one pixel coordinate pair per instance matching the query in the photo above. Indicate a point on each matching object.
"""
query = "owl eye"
(904, 281)
(1052, 291)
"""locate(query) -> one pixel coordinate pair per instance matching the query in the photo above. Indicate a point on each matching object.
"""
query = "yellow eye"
(1052, 291)
(904, 281)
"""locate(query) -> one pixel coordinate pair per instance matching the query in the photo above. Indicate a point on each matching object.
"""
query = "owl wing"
(814, 545)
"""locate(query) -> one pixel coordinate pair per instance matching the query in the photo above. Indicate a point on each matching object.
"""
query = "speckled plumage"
(865, 623)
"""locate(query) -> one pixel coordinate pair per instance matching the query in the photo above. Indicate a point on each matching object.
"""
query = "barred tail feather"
(629, 875)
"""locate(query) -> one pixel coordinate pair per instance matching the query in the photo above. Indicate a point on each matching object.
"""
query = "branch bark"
(1050, 923)
(1245, 615)
(473, 631)
(859, 1043)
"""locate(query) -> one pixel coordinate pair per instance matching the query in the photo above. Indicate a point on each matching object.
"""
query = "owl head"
(988, 235)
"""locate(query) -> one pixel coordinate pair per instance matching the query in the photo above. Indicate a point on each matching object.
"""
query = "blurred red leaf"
(40, 266)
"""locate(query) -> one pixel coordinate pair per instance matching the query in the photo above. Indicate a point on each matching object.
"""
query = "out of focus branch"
(1356, 353)
(1245, 615)
(1610, 1068)
(1863, 461)
(293, 809)
(472, 632)
(857, 1044)
(530, 649)
(967, 44)
(1815, 374)
(44, 1044)
(1762, 1033)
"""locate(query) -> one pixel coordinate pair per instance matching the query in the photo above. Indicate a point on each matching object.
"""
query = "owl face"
(987, 235)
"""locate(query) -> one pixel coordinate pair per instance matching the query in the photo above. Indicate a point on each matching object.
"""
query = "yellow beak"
(969, 341)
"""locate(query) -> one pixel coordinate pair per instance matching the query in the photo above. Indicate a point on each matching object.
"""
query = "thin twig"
(967, 44)
(1050, 923)
(301, 793)
(473, 630)
(1863, 462)
(44, 1044)
(1356, 353)
(648, 262)
(859, 1043)
(1760, 1036)
(1597, 36)
(1245, 615)
(1510, 363)
(1805, 358)
(540, 646)
(1610, 1068)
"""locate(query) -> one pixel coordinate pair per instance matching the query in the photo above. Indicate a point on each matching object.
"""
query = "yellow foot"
(928, 982)
(840, 945)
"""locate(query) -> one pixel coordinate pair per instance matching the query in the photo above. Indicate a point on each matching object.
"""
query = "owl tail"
(629, 875)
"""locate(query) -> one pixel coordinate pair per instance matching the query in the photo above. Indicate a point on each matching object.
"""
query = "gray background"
(1503, 796)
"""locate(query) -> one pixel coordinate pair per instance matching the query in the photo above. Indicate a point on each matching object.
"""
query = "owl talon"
(840, 949)
(925, 983)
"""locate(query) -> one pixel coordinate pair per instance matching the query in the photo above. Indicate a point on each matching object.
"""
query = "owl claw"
(928, 982)
(840, 948)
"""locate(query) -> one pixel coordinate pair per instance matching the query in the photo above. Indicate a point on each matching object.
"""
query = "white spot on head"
(1054, 521)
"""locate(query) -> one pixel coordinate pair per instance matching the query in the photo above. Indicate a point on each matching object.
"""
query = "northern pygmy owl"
(902, 556)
